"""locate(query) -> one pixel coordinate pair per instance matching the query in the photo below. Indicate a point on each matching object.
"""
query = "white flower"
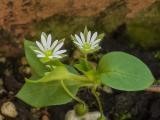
(48, 50)
(87, 42)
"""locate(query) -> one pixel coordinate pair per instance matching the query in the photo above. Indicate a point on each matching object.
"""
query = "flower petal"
(57, 56)
(43, 41)
(89, 36)
(77, 43)
(60, 52)
(40, 56)
(82, 37)
(93, 37)
(49, 40)
(44, 34)
(79, 40)
(94, 46)
(54, 44)
(58, 46)
(38, 52)
(96, 41)
(40, 45)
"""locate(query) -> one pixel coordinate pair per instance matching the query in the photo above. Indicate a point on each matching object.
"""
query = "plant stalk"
(98, 100)
(70, 94)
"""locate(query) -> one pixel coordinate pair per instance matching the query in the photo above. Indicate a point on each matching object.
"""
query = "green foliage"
(144, 28)
(125, 116)
(48, 93)
(54, 83)
(37, 66)
(81, 109)
(54, 75)
(124, 72)
(47, 89)
(102, 118)
(83, 66)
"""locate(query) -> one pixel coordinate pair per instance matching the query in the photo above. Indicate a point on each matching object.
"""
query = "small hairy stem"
(98, 100)
(86, 57)
(70, 94)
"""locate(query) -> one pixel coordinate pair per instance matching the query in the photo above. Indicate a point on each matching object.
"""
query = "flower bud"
(102, 118)
(80, 109)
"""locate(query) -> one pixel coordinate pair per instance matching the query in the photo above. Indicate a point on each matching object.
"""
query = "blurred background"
(28, 18)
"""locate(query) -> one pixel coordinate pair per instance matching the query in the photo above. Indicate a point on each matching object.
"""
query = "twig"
(154, 89)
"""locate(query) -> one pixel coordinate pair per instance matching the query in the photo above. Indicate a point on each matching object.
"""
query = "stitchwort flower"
(48, 50)
(87, 42)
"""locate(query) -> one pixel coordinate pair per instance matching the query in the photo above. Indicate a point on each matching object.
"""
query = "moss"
(125, 116)
(62, 27)
(113, 16)
(144, 29)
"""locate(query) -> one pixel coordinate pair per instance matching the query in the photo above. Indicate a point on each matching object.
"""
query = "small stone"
(107, 89)
(77, 54)
(45, 117)
(27, 70)
(2, 90)
(23, 61)
(71, 115)
(1, 117)
(9, 109)
(7, 72)
(2, 59)
(1, 82)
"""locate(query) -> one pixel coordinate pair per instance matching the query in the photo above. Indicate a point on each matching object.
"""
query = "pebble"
(2, 90)
(2, 59)
(23, 61)
(45, 117)
(1, 83)
(9, 109)
(107, 89)
(71, 115)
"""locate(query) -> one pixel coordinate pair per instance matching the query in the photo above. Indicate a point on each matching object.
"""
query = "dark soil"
(119, 105)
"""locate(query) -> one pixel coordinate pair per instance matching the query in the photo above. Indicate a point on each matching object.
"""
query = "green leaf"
(122, 71)
(47, 94)
(38, 67)
(71, 69)
(59, 73)
(83, 66)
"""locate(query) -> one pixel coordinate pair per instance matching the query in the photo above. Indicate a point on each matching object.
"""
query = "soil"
(119, 105)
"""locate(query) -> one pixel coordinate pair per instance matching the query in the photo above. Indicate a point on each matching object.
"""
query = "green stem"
(86, 57)
(70, 94)
(98, 100)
